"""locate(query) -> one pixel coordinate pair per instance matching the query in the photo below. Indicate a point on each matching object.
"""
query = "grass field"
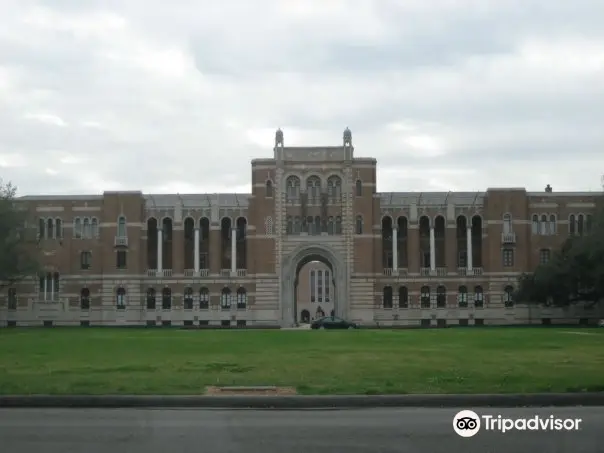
(173, 361)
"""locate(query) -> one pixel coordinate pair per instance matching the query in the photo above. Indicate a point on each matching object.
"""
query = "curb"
(302, 401)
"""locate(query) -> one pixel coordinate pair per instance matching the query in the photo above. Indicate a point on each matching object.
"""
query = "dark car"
(332, 322)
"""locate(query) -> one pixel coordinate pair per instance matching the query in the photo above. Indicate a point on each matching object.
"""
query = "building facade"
(394, 259)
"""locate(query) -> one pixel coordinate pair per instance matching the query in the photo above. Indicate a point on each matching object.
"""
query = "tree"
(575, 273)
(18, 247)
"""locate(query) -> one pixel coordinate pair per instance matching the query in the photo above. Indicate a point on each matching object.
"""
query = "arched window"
(77, 228)
(572, 225)
(121, 227)
(462, 296)
(86, 230)
(151, 299)
(241, 298)
(94, 227)
(387, 297)
(120, 295)
(359, 225)
(338, 225)
(544, 224)
(41, 228)
(292, 186)
(478, 297)
(58, 228)
(85, 299)
(50, 224)
(204, 298)
(297, 225)
(225, 299)
(269, 189)
(535, 224)
(289, 228)
(508, 296)
(188, 298)
(334, 188)
(425, 297)
(166, 299)
(403, 297)
(331, 226)
(359, 188)
(580, 225)
(552, 224)
(441, 296)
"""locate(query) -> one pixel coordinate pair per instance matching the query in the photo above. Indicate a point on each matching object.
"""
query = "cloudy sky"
(179, 96)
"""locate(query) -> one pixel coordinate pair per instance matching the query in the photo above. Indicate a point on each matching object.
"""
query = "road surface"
(411, 430)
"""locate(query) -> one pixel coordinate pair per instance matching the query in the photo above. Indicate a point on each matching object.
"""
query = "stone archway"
(290, 269)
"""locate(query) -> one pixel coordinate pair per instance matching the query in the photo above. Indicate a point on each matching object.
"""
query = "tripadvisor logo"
(467, 423)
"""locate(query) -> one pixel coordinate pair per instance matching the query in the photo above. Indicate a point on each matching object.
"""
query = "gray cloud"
(445, 94)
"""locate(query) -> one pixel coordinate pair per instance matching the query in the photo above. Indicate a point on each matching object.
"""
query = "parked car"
(332, 322)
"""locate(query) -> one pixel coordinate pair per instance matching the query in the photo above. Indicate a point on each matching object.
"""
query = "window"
(441, 297)
(50, 224)
(121, 298)
(268, 189)
(12, 298)
(85, 260)
(403, 297)
(507, 257)
(292, 188)
(331, 226)
(166, 299)
(507, 223)
(387, 297)
(268, 225)
(241, 298)
(359, 225)
(508, 296)
(188, 298)
(334, 188)
(544, 225)
(462, 296)
(289, 228)
(572, 224)
(462, 259)
(86, 230)
(313, 284)
(122, 231)
(478, 297)
(580, 225)
(151, 299)
(425, 297)
(313, 188)
(77, 228)
(317, 228)
(85, 299)
(58, 228)
(121, 259)
(320, 286)
(552, 224)
(359, 188)
(327, 285)
(338, 225)
(42, 228)
(544, 256)
(535, 224)
(49, 287)
(204, 298)
(225, 299)
(94, 228)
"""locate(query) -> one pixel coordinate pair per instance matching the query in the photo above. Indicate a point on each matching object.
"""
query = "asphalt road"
(410, 430)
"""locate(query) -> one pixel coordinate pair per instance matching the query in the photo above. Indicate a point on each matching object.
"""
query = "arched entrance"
(290, 270)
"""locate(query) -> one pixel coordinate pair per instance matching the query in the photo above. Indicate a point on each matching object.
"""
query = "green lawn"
(174, 361)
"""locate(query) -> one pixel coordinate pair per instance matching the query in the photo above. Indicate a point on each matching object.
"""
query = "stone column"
(432, 250)
(160, 245)
(196, 250)
(233, 251)
(394, 250)
(469, 247)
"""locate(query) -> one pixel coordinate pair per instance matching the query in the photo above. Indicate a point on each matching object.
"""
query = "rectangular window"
(462, 259)
(312, 286)
(327, 286)
(121, 259)
(388, 262)
(426, 259)
(320, 286)
(508, 257)
(85, 260)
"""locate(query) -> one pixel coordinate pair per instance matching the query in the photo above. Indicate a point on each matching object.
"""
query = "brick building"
(233, 259)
